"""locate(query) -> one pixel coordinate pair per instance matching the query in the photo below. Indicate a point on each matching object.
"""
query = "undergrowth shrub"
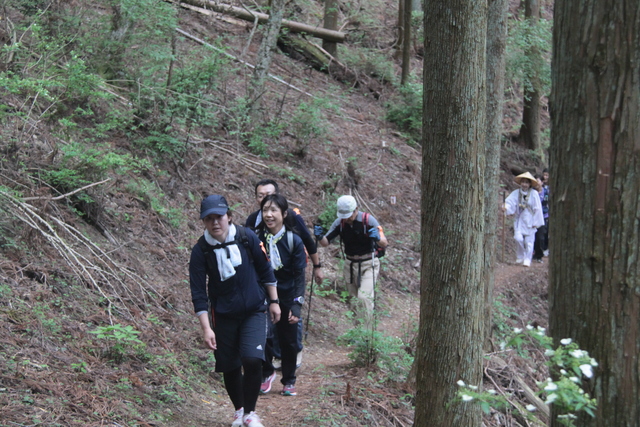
(405, 109)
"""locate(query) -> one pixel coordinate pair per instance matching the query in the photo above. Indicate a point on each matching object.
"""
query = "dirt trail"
(326, 368)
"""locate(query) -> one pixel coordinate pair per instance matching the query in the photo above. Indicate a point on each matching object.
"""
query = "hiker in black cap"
(364, 242)
(240, 290)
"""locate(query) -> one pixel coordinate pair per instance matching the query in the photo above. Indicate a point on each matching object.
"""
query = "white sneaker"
(527, 263)
(299, 359)
(237, 418)
(252, 420)
(519, 261)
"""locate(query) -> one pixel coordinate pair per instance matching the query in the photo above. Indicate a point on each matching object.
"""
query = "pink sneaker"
(252, 420)
(289, 390)
(265, 387)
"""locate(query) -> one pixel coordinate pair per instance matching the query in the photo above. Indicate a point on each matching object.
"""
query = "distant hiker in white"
(525, 204)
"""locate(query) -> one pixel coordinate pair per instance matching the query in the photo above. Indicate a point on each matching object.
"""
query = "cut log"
(244, 14)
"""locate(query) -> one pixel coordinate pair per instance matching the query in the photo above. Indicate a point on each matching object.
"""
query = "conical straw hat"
(527, 175)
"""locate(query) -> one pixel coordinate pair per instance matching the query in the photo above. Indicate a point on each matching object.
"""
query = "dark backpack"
(379, 251)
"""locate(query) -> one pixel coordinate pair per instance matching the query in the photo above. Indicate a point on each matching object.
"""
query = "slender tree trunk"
(452, 294)
(265, 56)
(595, 197)
(400, 43)
(496, 47)
(406, 46)
(330, 23)
(530, 129)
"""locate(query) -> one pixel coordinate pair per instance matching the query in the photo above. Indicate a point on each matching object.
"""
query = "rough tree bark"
(595, 187)
(530, 130)
(406, 46)
(496, 48)
(451, 329)
(265, 56)
(330, 23)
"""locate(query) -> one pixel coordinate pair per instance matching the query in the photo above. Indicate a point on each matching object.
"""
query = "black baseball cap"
(214, 204)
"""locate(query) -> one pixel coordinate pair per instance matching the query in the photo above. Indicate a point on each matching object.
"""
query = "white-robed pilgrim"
(526, 206)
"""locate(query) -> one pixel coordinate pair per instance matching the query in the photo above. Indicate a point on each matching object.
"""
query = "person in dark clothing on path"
(288, 259)
(262, 189)
(362, 266)
(539, 243)
(233, 287)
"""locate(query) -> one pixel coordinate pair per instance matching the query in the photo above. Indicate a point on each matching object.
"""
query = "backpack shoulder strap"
(207, 250)
(241, 237)
(290, 240)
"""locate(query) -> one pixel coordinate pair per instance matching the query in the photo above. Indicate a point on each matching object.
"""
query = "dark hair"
(263, 182)
(281, 202)
(545, 170)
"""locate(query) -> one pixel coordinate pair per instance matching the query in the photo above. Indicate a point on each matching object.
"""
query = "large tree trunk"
(330, 23)
(530, 129)
(496, 47)
(452, 294)
(595, 197)
(265, 56)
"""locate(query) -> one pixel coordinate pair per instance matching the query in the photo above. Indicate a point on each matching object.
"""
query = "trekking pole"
(504, 214)
(306, 329)
(374, 325)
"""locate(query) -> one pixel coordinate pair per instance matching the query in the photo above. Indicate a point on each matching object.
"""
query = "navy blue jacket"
(242, 294)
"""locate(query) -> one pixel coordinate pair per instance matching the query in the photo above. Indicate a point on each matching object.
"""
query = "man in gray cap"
(364, 243)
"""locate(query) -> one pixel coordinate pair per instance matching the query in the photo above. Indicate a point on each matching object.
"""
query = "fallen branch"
(278, 79)
(68, 194)
(246, 15)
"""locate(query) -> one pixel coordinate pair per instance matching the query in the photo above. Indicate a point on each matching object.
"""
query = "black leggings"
(243, 389)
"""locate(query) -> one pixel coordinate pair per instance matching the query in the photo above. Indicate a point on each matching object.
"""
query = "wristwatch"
(274, 301)
(299, 300)
(317, 266)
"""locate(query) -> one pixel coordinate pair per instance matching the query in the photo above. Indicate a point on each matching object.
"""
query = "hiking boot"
(538, 260)
(265, 387)
(299, 359)
(252, 420)
(289, 390)
(277, 364)
(237, 418)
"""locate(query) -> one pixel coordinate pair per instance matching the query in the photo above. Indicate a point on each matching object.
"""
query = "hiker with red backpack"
(286, 253)
(234, 294)
(364, 243)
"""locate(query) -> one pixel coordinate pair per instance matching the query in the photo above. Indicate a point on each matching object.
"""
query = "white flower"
(541, 329)
(491, 391)
(461, 383)
(503, 345)
(575, 379)
(549, 352)
(565, 341)
(551, 398)
(563, 372)
(577, 353)
(467, 398)
(551, 387)
(587, 371)
(529, 328)
(473, 387)
(593, 362)
(517, 330)
(531, 408)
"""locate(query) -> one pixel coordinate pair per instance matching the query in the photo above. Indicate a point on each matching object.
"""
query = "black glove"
(296, 310)
(318, 231)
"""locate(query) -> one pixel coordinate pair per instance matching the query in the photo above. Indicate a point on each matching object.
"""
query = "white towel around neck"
(229, 257)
